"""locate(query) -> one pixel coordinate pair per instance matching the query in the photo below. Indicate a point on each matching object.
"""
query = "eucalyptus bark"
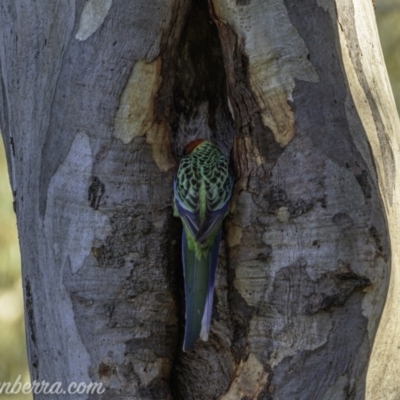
(98, 99)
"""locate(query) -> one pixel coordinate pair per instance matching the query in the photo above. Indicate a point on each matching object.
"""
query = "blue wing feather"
(211, 221)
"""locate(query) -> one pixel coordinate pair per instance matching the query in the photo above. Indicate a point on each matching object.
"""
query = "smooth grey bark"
(98, 99)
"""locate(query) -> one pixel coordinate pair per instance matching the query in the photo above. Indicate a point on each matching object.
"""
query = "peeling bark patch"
(65, 216)
(358, 44)
(317, 114)
(234, 234)
(278, 203)
(273, 66)
(305, 376)
(136, 112)
(134, 116)
(159, 138)
(95, 192)
(254, 143)
(92, 17)
(307, 296)
(147, 372)
(134, 314)
(337, 226)
(249, 380)
(124, 244)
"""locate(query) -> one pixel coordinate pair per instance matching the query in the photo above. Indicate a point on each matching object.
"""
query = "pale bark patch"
(370, 302)
(93, 15)
(69, 218)
(159, 138)
(283, 214)
(250, 379)
(234, 235)
(277, 56)
(300, 334)
(384, 368)
(360, 100)
(328, 6)
(383, 371)
(147, 371)
(135, 115)
(250, 280)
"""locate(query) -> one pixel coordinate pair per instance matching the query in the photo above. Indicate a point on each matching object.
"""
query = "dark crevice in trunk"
(193, 95)
(193, 98)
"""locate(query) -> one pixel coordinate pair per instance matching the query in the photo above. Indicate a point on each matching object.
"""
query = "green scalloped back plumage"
(203, 178)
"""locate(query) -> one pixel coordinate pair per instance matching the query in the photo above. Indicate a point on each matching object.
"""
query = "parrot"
(203, 188)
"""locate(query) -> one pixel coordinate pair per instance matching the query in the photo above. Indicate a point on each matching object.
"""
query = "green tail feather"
(196, 274)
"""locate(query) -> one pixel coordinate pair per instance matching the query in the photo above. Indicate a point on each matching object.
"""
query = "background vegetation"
(13, 359)
(388, 18)
(12, 337)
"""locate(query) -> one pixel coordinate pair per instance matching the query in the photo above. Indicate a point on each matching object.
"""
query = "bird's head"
(191, 146)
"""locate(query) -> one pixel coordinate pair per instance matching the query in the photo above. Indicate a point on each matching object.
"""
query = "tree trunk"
(98, 99)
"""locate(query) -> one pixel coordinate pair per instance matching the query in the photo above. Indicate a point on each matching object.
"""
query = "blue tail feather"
(213, 262)
(196, 279)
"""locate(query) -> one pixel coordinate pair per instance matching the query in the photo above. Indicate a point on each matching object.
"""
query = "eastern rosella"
(202, 191)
